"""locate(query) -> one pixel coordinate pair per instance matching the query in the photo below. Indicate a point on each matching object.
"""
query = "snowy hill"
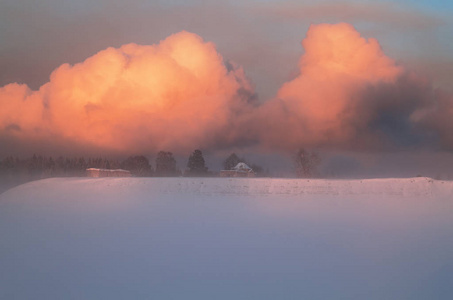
(227, 238)
(420, 187)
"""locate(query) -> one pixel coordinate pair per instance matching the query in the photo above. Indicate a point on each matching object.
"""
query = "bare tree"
(306, 163)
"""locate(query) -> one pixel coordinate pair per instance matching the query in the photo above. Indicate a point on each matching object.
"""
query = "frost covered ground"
(215, 238)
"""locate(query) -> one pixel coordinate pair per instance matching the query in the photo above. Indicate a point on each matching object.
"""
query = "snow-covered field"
(215, 238)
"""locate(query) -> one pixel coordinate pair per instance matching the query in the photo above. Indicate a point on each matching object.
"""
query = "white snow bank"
(400, 187)
(217, 238)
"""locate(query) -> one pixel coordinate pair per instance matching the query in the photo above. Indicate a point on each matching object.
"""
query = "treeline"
(14, 171)
(38, 167)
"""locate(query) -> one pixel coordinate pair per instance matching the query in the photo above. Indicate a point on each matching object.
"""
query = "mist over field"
(204, 238)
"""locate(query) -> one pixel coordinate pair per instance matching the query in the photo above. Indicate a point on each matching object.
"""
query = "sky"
(130, 77)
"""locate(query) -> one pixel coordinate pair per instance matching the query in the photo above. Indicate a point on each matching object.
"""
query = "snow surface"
(234, 238)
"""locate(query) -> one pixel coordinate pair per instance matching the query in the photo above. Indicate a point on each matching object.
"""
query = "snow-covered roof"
(242, 167)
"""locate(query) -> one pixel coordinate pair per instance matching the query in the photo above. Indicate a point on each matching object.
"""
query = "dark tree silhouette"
(138, 166)
(231, 161)
(165, 164)
(196, 164)
(15, 171)
(259, 171)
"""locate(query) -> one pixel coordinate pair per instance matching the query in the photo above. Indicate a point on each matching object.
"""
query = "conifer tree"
(165, 164)
(196, 164)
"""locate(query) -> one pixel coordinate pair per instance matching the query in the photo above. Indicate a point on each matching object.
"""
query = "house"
(94, 172)
(240, 170)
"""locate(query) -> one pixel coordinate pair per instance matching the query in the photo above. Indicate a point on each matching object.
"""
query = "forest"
(14, 170)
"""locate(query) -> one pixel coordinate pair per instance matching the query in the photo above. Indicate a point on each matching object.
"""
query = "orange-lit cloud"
(181, 94)
(327, 103)
(177, 95)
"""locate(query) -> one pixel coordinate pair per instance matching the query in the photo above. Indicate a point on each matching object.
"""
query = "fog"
(210, 238)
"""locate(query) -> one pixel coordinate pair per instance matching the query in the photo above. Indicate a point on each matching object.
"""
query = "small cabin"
(94, 172)
(240, 170)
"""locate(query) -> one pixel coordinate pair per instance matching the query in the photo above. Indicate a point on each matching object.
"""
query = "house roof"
(242, 167)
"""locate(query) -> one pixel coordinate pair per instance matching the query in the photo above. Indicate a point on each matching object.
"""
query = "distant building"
(241, 170)
(94, 172)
